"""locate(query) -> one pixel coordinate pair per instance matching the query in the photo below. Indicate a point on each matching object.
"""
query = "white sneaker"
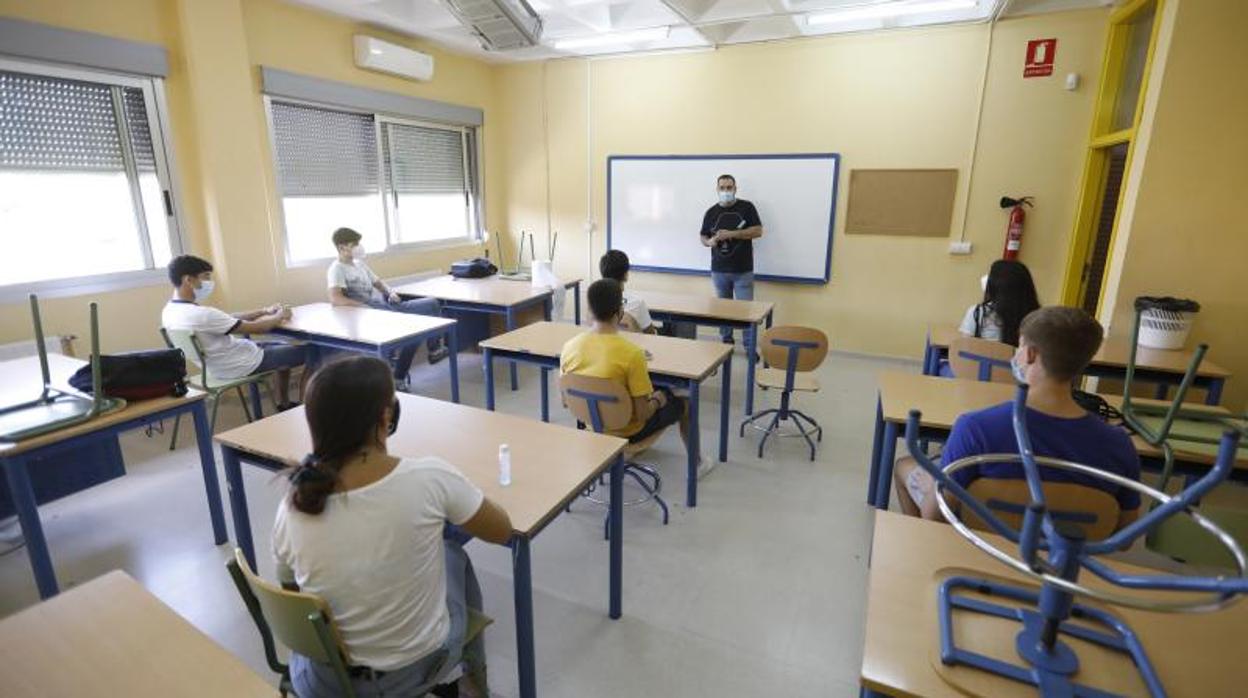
(705, 466)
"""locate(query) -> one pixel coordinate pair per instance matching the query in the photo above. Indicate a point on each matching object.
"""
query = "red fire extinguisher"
(1014, 232)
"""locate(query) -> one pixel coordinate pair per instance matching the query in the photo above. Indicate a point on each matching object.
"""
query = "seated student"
(351, 282)
(363, 530)
(1009, 295)
(1056, 344)
(601, 352)
(636, 317)
(229, 356)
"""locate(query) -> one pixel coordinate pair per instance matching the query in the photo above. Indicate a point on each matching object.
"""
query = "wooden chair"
(304, 623)
(972, 358)
(800, 350)
(205, 381)
(606, 405)
(1095, 510)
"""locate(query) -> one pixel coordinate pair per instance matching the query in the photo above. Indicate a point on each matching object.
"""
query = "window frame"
(470, 142)
(154, 101)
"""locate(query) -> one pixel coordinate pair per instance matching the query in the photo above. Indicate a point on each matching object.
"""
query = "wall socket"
(959, 247)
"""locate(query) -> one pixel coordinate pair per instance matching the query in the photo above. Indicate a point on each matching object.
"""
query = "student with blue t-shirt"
(1055, 346)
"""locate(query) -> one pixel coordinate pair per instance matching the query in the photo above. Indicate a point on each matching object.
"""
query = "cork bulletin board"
(901, 202)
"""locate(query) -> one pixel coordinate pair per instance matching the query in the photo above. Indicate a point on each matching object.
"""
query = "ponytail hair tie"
(308, 473)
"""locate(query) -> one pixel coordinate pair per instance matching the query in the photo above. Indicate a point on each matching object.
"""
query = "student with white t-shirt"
(351, 282)
(363, 530)
(614, 265)
(1009, 295)
(228, 355)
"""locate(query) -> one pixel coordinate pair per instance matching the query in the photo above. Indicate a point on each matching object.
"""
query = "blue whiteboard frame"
(836, 182)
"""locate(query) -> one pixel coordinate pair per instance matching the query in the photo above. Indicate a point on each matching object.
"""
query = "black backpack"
(477, 268)
(137, 375)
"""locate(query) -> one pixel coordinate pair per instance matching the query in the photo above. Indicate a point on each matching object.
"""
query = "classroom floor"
(758, 591)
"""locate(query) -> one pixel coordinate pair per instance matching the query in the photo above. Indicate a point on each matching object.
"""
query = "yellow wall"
(898, 99)
(221, 147)
(1187, 236)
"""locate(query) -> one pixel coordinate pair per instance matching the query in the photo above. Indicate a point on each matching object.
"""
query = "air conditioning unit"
(500, 25)
(375, 54)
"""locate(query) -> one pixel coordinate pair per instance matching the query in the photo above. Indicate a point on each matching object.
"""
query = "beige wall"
(225, 172)
(1186, 234)
(897, 99)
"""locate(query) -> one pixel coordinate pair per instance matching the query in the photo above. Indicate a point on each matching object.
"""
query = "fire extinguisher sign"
(1040, 55)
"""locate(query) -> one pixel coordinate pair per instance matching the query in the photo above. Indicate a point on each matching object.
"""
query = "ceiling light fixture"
(887, 10)
(612, 39)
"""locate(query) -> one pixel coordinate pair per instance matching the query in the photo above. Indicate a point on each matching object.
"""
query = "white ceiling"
(689, 24)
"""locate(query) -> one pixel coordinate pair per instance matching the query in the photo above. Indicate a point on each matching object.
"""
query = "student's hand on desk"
(284, 313)
(273, 309)
(394, 297)
(659, 397)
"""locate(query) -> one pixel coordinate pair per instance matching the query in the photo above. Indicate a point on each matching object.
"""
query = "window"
(84, 185)
(397, 182)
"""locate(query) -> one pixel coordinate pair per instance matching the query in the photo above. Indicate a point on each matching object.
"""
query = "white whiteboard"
(655, 205)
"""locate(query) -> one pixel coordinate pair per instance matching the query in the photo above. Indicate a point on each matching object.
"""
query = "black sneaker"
(728, 340)
(436, 355)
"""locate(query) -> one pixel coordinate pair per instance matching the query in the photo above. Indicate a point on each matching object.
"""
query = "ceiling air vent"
(501, 25)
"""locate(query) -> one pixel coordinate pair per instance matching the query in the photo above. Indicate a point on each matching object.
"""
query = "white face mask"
(204, 290)
(1018, 369)
(357, 252)
(727, 197)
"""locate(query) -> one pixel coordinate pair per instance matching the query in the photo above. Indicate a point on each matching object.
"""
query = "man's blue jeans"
(730, 285)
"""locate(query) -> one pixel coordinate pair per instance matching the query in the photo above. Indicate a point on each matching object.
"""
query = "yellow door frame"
(1101, 139)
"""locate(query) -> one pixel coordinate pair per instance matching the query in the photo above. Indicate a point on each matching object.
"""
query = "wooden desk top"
(367, 325)
(1194, 654)
(488, 291)
(1114, 353)
(704, 306)
(669, 356)
(21, 381)
(549, 463)
(941, 400)
(110, 637)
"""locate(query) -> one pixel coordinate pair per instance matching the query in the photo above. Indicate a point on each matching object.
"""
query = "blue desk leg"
(511, 325)
(695, 445)
(1213, 394)
(616, 515)
(725, 393)
(487, 363)
(751, 361)
(1160, 391)
(257, 409)
(888, 454)
(203, 440)
(929, 358)
(522, 579)
(238, 503)
(876, 444)
(18, 478)
(545, 373)
(576, 303)
(452, 341)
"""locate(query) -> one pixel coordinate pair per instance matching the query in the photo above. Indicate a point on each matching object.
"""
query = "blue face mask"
(1018, 369)
(727, 197)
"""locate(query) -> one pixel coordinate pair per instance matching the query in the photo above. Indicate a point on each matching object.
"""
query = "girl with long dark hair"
(1008, 296)
(364, 530)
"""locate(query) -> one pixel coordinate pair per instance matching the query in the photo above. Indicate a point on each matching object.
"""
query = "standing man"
(729, 228)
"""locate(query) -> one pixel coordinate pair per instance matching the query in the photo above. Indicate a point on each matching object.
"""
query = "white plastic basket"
(1164, 329)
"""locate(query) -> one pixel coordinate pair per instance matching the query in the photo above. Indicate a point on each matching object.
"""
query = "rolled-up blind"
(323, 152)
(49, 123)
(424, 160)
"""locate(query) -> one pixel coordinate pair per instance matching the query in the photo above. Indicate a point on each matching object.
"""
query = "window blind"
(422, 160)
(49, 123)
(323, 152)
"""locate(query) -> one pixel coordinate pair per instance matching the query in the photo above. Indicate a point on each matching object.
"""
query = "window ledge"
(84, 285)
(392, 250)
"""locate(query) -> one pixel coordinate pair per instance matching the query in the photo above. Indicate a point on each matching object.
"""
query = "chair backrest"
(292, 617)
(802, 347)
(975, 359)
(187, 342)
(1095, 510)
(599, 402)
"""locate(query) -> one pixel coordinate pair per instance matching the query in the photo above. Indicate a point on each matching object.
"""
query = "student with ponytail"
(364, 530)
(1009, 295)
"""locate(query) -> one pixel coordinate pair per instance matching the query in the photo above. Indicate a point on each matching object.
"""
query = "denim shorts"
(280, 355)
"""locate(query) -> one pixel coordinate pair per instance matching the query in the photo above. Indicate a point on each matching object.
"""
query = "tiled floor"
(759, 591)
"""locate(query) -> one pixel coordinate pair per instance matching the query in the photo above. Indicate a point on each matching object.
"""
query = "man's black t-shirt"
(733, 256)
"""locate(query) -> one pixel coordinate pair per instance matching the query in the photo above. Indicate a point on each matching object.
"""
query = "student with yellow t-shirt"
(603, 352)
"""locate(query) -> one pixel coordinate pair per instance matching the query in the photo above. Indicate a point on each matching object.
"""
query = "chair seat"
(634, 450)
(214, 384)
(774, 378)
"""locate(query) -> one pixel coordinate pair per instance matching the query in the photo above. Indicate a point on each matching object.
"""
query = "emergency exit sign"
(1040, 55)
